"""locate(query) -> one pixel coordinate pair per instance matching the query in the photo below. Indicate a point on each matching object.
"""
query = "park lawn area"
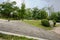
(58, 25)
(11, 37)
(37, 23)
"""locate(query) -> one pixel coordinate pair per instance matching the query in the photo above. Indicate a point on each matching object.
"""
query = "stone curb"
(3, 32)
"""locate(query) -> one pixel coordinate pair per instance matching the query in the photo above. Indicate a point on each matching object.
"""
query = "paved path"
(22, 28)
(9, 33)
(57, 29)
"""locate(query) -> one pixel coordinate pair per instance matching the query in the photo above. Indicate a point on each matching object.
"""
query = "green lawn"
(58, 25)
(37, 23)
(10, 37)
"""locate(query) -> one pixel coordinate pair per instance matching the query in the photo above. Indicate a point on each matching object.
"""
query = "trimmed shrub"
(45, 22)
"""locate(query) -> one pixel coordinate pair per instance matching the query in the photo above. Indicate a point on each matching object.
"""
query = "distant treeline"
(10, 10)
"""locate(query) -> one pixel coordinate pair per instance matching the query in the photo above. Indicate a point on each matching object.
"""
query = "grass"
(11, 37)
(37, 23)
(58, 25)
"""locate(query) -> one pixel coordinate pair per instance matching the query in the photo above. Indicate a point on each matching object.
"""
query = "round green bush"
(45, 22)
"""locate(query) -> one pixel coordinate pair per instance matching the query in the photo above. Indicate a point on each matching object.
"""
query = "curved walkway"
(22, 28)
(56, 30)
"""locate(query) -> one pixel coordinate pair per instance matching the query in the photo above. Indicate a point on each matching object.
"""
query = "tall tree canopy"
(44, 14)
(35, 12)
(6, 8)
(22, 11)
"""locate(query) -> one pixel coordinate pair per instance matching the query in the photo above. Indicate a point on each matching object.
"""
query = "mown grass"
(58, 25)
(37, 23)
(11, 37)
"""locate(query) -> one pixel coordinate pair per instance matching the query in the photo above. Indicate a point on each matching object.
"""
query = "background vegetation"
(9, 10)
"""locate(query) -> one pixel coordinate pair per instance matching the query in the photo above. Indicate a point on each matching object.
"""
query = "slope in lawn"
(37, 23)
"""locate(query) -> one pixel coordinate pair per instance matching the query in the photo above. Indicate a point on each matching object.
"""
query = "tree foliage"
(28, 14)
(53, 16)
(10, 10)
(58, 17)
(35, 13)
(7, 8)
(44, 14)
(23, 11)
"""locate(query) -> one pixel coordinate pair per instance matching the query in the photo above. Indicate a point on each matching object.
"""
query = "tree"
(28, 13)
(35, 13)
(53, 16)
(38, 15)
(58, 17)
(7, 8)
(17, 13)
(43, 14)
(23, 11)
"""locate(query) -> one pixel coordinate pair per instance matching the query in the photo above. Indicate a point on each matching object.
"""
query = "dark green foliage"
(39, 14)
(44, 14)
(6, 8)
(58, 17)
(45, 22)
(53, 16)
(9, 8)
(23, 11)
(35, 12)
(28, 14)
(54, 23)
